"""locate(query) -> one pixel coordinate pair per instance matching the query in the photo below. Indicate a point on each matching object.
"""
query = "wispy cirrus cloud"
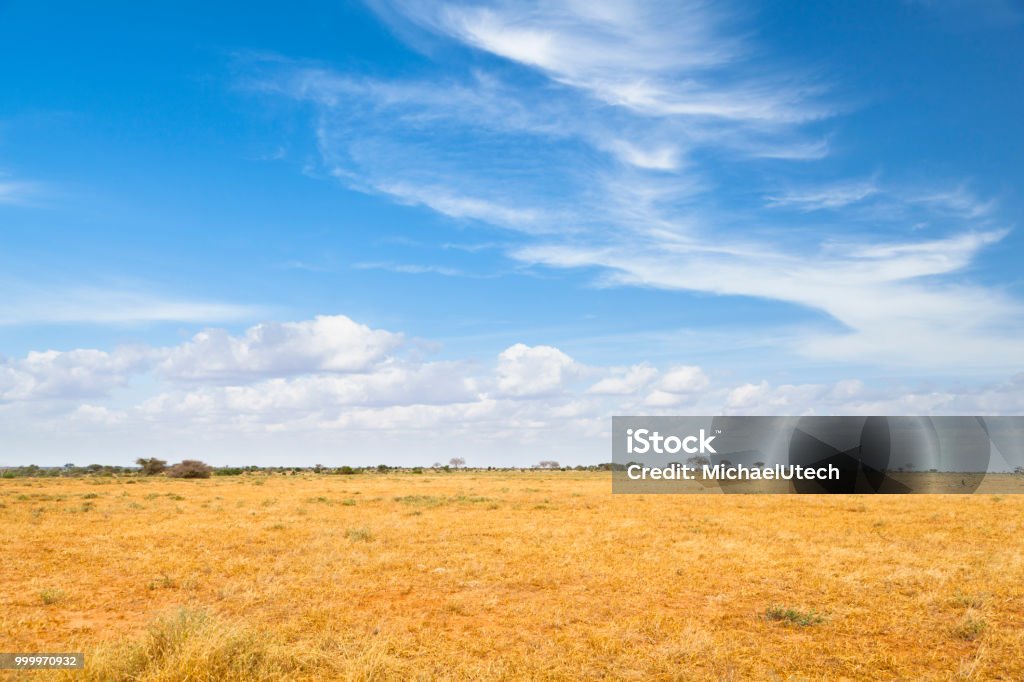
(412, 269)
(823, 197)
(19, 192)
(29, 303)
(658, 145)
(659, 59)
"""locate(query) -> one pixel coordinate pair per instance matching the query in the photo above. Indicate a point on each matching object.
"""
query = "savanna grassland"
(505, 575)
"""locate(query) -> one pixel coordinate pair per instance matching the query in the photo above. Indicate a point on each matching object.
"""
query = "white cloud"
(605, 167)
(350, 396)
(664, 157)
(664, 399)
(15, 192)
(525, 371)
(886, 295)
(833, 196)
(29, 304)
(443, 200)
(677, 387)
(684, 379)
(71, 374)
(624, 381)
(958, 201)
(411, 269)
(654, 58)
(327, 343)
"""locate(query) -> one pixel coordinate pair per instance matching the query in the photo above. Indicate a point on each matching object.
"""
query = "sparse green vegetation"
(794, 616)
(51, 596)
(970, 628)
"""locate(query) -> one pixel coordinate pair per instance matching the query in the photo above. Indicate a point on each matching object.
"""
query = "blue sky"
(354, 230)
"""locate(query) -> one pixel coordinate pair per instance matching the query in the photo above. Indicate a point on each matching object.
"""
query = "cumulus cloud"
(677, 386)
(684, 379)
(355, 392)
(525, 371)
(625, 381)
(327, 343)
(70, 374)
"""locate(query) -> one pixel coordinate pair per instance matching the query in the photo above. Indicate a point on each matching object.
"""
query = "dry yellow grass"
(505, 576)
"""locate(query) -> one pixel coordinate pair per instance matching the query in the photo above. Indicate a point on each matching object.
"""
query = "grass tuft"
(191, 645)
(361, 534)
(793, 616)
(970, 628)
(51, 596)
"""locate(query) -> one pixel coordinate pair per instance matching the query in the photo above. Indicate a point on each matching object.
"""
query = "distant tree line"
(191, 468)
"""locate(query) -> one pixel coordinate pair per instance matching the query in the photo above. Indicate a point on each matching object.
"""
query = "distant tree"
(457, 462)
(547, 464)
(383, 468)
(190, 468)
(698, 460)
(346, 470)
(759, 465)
(151, 466)
(1019, 471)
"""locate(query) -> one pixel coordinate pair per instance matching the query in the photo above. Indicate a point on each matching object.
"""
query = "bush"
(152, 465)
(190, 468)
